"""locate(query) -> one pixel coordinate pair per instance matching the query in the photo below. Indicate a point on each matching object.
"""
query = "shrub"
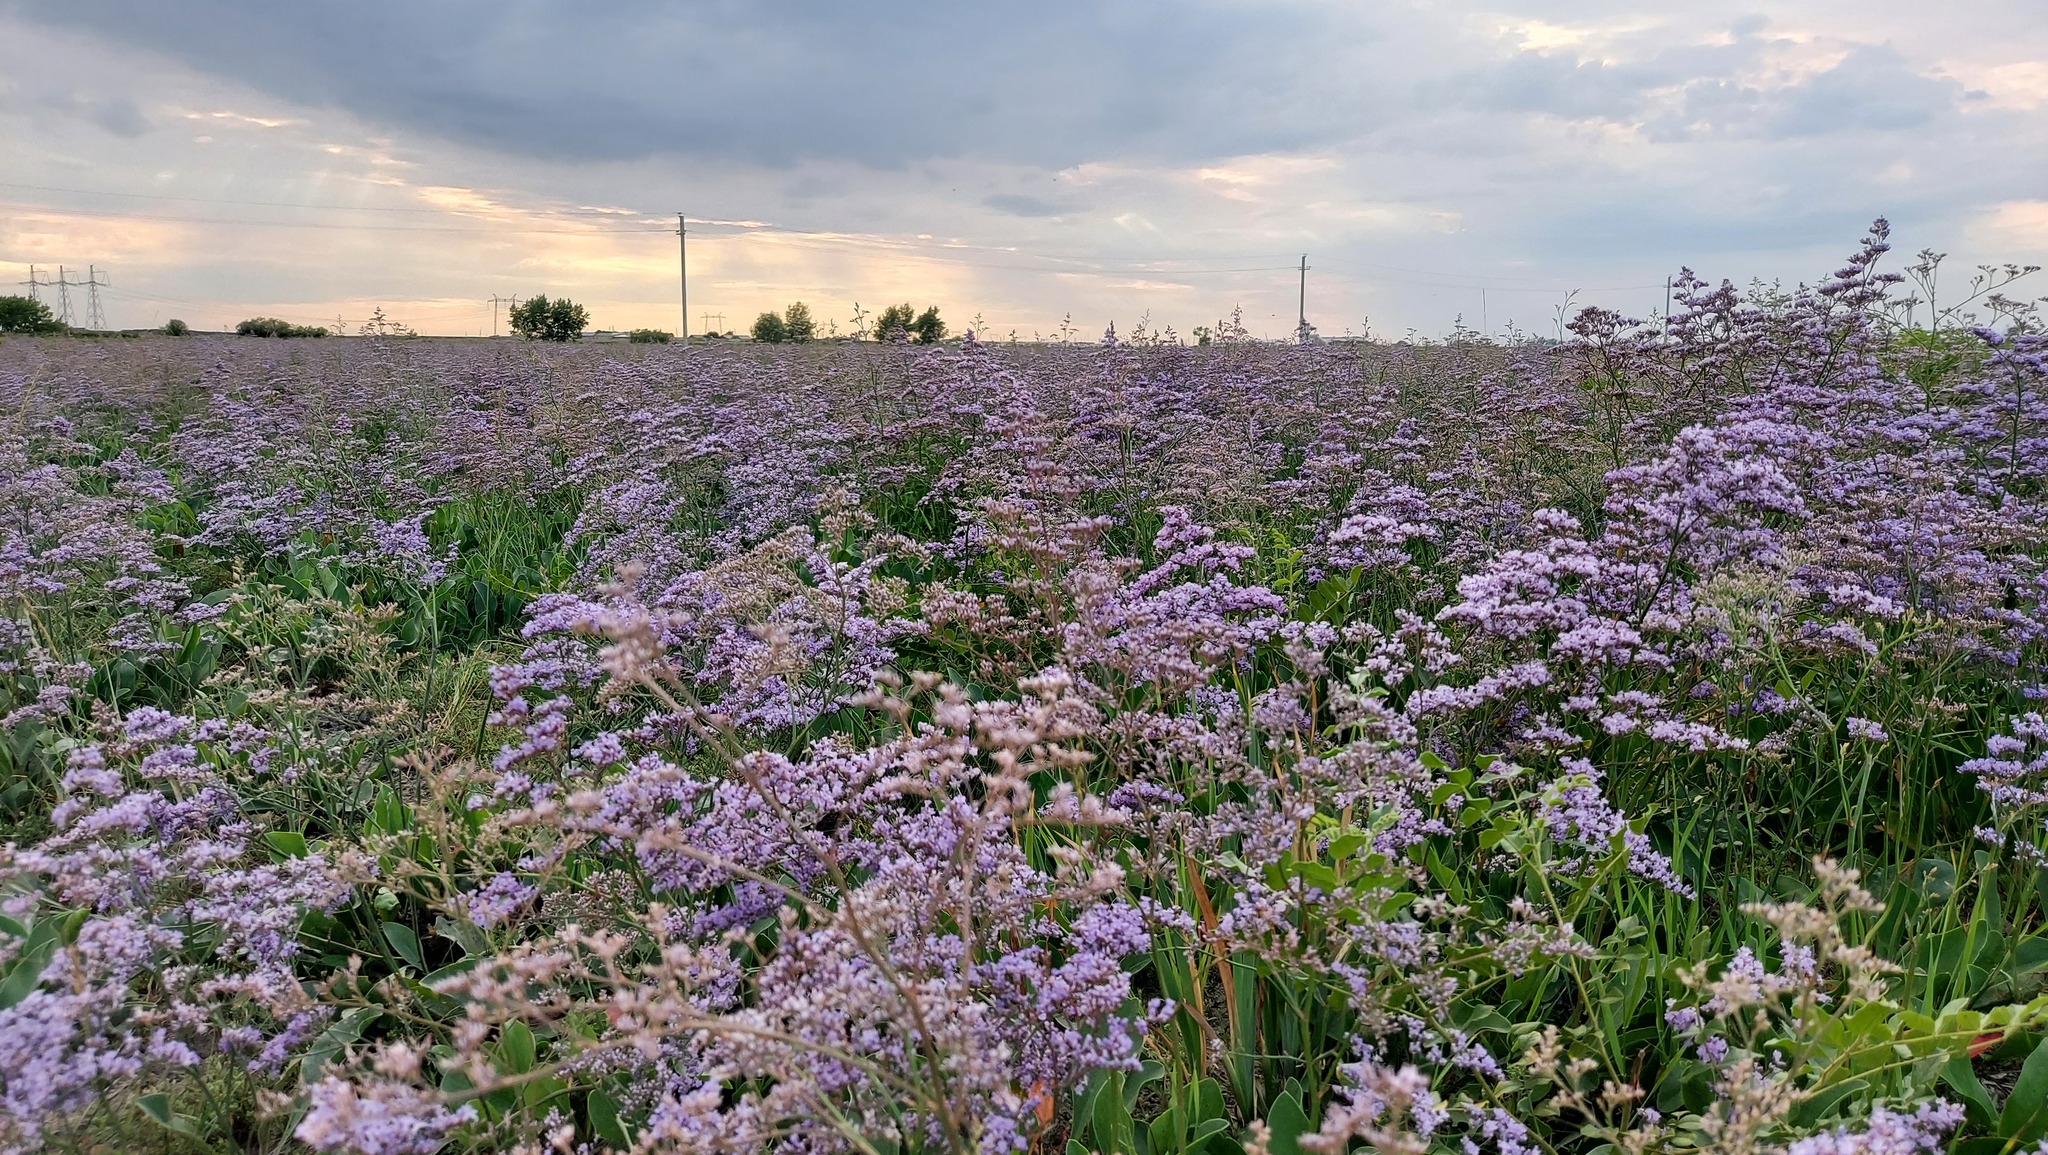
(797, 324)
(928, 329)
(769, 327)
(27, 315)
(539, 319)
(176, 328)
(273, 327)
(894, 323)
(651, 336)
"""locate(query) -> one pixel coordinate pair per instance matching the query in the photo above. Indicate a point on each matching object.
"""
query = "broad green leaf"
(1961, 1076)
(28, 966)
(605, 1122)
(406, 943)
(516, 1048)
(1288, 1123)
(2026, 1105)
(158, 1107)
(340, 1033)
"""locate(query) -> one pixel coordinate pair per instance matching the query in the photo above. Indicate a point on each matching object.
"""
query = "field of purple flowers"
(1623, 744)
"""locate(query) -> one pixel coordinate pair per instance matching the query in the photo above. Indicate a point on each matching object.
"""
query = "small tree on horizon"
(797, 324)
(539, 319)
(894, 322)
(928, 329)
(20, 314)
(768, 328)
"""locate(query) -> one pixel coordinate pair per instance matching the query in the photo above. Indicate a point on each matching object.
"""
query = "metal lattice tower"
(95, 317)
(63, 296)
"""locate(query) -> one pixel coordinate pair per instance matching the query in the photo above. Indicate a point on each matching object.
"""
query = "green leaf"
(286, 844)
(2026, 1106)
(158, 1107)
(605, 1122)
(1961, 1077)
(406, 943)
(463, 933)
(1150, 1071)
(1288, 1123)
(2030, 955)
(343, 1031)
(1114, 1132)
(28, 966)
(515, 1048)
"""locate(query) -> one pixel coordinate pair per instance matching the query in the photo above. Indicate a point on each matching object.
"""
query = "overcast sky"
(1020, 162)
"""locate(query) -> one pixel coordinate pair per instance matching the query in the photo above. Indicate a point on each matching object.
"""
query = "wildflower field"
(1620, 744)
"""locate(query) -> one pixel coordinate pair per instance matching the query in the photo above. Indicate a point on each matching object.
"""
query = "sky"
(1043, 169)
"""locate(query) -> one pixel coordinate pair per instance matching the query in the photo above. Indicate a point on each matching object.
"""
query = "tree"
(650, 336)
(176, 328)
(928, 329)
(27, 315)
(797, 324)
(770, 328)
(275, 327)
(894, 323)
(539, 319)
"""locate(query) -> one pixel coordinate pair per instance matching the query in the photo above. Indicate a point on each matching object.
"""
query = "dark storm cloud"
(879, 84)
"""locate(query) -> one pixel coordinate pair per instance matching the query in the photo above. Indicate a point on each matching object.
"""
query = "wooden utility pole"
(683, 273)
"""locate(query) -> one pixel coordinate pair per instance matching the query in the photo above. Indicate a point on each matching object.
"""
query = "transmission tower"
(35, 284)
(95, 317)
(63, 296)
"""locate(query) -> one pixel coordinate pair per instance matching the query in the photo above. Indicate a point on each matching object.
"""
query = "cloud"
(1021, 205)
(888, 83)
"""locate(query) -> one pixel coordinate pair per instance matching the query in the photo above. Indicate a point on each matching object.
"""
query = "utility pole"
(34, 285)
(63, 296)
(1301, 324)
(683, 272)
(95, 317)
(1667, 308)
(496, 300)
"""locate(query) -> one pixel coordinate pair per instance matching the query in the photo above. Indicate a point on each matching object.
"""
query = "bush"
(928, 329)
(539, 319)
(797, 324)
(894, 323)
(27, 315)
(176, 328)
(273, 327)
(651, 336)
(769, 327)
